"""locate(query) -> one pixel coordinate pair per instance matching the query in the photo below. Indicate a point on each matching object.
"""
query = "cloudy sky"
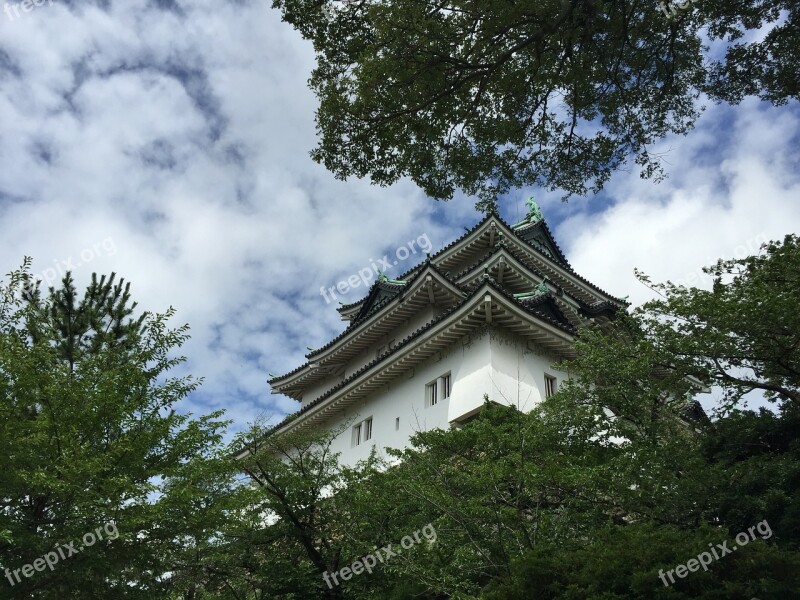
(168, 141)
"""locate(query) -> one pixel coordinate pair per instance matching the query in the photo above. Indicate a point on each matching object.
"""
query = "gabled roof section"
(545, 306)
(382, 291)
(500, 253)
(347, 310)
(540, 237)
(391, 304)
(427, 276)
(538, 320)
(531, 241)
(601, 309)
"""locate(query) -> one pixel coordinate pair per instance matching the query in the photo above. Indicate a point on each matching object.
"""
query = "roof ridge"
(459, 239)
(355, 324)
(413, 336)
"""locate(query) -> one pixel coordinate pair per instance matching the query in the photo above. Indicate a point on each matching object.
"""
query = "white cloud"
(720, 201)
(184, 138)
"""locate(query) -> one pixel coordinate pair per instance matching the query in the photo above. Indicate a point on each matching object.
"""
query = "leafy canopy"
(487, 96)
(90, 439)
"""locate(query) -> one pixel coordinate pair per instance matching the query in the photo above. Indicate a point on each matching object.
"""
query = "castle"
(490, 314)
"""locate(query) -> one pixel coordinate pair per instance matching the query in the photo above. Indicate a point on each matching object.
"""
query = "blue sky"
(169, 142)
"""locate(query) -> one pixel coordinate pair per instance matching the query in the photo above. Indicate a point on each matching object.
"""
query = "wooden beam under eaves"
(487, 303)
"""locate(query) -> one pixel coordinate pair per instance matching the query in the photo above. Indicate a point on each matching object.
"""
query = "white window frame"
(550, 385)
(446, 382)
(438, 390)
(432, 393)
(362, 432)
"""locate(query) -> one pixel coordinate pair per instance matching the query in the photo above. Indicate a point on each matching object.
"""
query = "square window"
(550, 385)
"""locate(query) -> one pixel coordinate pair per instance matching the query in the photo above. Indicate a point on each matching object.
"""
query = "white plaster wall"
(397, 335)
(518, 370)
(404, 399)
(316, 390)
(489, 362)
(472, 375)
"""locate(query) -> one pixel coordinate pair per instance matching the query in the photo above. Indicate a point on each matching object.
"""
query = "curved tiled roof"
(693, 412)
(529, 307)
(564, 263)
(522, 233)
(357, 322)
(498, 247)
(412, 273)
(455, 242)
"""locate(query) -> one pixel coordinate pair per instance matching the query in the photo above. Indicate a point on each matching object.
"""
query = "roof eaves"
(413, 336)
(356, 324)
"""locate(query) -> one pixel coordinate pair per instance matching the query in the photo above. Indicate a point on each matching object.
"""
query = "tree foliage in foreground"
(90, 439)
(596, 493)
(604, 486)
(488, 96)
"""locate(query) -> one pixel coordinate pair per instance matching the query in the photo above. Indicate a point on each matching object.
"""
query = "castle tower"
(489, 314)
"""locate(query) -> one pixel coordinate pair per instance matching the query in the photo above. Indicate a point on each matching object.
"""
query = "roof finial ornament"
(534, 212)
(542, 288)
(539, 291)
(383, 277)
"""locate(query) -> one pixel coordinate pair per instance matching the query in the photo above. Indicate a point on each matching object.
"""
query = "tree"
(297, 512)
(755, 458)
(631, 563)
(617, 476)
(596, 493)
(93, 446)
(743, 335)
(487, 96)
